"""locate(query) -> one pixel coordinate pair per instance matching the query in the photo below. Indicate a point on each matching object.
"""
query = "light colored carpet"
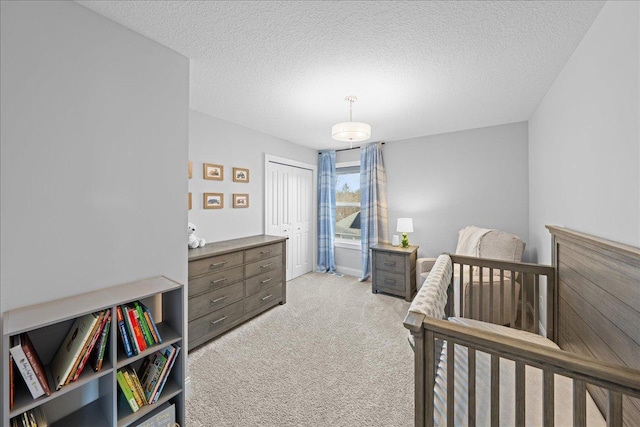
(334, 355)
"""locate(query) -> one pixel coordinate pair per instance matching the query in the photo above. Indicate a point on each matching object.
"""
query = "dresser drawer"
(262, 281)
(392, 263)
(263, 297)
(209, 324)
(214, 300)
(262, 252)
(387, 280)
(262, 266)
(215, 263)
(215, 281)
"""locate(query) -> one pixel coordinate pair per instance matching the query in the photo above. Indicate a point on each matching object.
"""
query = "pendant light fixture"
(351, 131)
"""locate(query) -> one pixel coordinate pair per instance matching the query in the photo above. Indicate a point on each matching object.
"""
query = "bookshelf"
(94, 399)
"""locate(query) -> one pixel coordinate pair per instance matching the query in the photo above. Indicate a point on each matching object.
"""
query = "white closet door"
(288, 210)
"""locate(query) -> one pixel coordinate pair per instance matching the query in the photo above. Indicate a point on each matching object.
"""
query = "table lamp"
(405, 225)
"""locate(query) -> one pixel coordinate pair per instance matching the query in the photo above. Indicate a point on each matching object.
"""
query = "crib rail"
(582, 370)
(497, 281)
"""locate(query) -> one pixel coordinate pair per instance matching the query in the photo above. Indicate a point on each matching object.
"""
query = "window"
(348, 203)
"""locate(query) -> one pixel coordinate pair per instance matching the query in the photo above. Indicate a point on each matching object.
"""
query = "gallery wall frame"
(213, 200)
(240, 200)
(213, 172)
(240, 175)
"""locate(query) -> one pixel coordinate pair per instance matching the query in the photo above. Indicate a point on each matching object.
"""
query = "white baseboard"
(349, 271)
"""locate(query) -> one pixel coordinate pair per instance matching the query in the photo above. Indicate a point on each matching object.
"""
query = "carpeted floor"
(334, 355)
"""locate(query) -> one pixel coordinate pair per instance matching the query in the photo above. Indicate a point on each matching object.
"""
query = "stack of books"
(32, 418)
(138, 331)
(145, 386)
(87, 339)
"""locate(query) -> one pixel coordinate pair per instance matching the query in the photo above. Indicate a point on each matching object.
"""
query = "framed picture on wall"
(213, 172)
(240, 175)
(190, 169)
(240, 200)
(190, 201)
(213, 200)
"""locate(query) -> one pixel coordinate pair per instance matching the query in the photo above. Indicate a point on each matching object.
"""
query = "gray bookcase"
(94, 399)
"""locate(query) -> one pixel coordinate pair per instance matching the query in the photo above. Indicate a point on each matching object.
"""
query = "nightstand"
(394, 270)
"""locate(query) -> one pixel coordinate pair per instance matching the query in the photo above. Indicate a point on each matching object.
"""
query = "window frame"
(340, 242)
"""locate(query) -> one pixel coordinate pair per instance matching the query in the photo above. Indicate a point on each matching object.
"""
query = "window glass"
(348, 203)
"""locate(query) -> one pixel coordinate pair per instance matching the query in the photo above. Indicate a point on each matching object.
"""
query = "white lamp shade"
(351, 131)
(405, 225)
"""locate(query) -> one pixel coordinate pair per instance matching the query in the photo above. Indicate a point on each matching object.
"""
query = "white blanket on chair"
(469, 240)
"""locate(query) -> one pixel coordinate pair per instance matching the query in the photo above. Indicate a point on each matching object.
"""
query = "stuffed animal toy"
(194, 241)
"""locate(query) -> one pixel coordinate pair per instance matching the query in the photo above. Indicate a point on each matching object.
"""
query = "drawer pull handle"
(267, 280)
(390, 263)
(389, 281)
(216, 265)
(266, 265)
(215, 282)
(266, 298)
(265, 252)
(213, 301)
(219, 320)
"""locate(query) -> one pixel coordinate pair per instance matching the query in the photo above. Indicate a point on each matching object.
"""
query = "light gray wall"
(212, 140)
(94, 143)
(584, 137)
(448, 181)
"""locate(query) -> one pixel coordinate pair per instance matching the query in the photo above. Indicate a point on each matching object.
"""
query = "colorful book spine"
(126, 391)
(132, 386)
(154, 328)
(85, 348)
(142, 320)
(94, 340)
(34, 360)
(151, 375)
(138, 339)
(101, 347)
(137, 384)
(124, 334)
(25, 369)
(165, 374)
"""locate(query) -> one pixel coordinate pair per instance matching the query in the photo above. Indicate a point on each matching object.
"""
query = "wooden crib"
(592, 303)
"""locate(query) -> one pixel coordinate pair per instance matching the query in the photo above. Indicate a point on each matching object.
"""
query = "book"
(101, 346)
(132, 386)
(70, 349)
(36, 363)
(136, 332)
(91, 340)
(154, 328)
(124, 334)
(146, 331)
(32, 418)
(126, 391)
(25, 368)
(163, 416)
(94, 339)
(153, 370)
(165, 374)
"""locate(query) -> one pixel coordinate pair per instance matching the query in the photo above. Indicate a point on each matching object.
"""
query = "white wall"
(445, 182)
(94, 143)
(584, 137)
(212, 140)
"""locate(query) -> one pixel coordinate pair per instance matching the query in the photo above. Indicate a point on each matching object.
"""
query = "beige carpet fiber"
(334, 355)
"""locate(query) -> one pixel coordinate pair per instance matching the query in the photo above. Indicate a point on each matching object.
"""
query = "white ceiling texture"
(418, 68)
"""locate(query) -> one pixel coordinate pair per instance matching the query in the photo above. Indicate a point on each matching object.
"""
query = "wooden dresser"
(394, 270)
(232, 281)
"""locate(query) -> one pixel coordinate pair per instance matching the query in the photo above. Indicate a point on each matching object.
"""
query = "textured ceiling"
(418, 68)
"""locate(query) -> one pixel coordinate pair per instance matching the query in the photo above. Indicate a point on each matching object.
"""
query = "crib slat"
(502, 297)
(471, 300)
(495, 391)
(480, 297)
(579, 403)
(491, 295)
(520, 394)
(547, 396)
(429, 377)
(512, 321)
(461, 298)
(450, 382)
(471, 399)
(536, 307)
(523, 308)
(614, 408)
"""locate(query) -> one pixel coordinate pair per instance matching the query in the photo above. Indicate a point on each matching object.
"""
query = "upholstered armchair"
(482, 243)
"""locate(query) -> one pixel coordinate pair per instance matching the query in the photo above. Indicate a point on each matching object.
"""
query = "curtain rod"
(347, 149)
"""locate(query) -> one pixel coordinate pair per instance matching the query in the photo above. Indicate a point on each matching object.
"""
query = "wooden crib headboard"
(598, 303)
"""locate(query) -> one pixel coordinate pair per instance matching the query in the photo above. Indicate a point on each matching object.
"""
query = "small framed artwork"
(240, 200)
(190, 169)
(190, 201)
(213, 200)
(214, 172)
(240, 175)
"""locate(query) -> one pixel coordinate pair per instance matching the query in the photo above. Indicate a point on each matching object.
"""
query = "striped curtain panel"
(327, 212)
(374, 222)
